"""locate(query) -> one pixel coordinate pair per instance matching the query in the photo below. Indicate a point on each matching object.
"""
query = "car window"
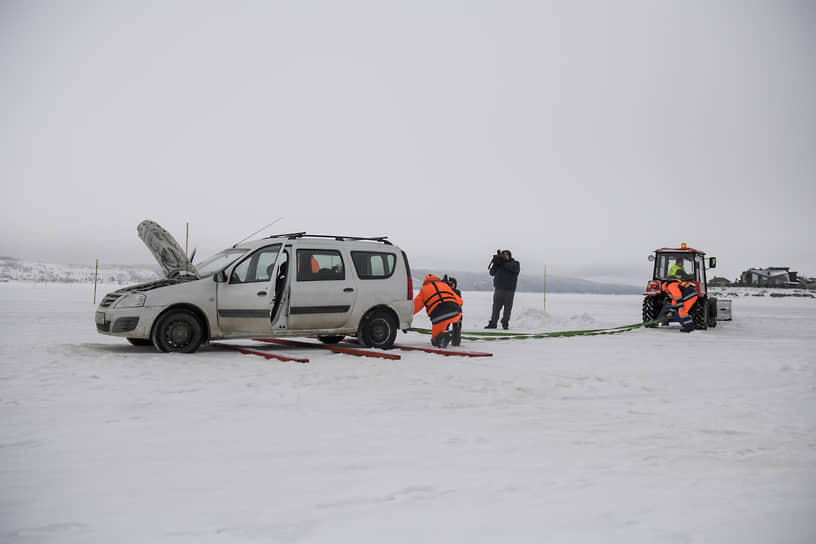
(373, 265)
(320, 265)
(257, 267)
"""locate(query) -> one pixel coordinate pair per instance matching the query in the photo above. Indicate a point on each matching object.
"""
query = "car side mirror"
(220, 277)
(712, 262)
(651, 258)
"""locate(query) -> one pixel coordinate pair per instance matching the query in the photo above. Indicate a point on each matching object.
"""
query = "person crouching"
(680, 297)
(443, 305)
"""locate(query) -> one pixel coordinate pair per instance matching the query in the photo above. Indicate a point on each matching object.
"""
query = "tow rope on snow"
(490, 336)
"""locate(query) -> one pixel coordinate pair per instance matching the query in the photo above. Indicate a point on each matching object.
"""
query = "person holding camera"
(505, 270)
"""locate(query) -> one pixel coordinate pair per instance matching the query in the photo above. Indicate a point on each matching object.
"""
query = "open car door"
(245, 301)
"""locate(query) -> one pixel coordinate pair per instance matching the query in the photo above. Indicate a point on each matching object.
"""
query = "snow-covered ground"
(646, 436)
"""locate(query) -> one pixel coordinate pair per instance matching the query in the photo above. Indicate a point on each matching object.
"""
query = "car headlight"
(131, 301)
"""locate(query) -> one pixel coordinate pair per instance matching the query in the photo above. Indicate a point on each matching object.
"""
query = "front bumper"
(126, 322)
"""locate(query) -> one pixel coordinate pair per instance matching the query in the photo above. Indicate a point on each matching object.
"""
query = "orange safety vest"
(315, 266)
(433, 293)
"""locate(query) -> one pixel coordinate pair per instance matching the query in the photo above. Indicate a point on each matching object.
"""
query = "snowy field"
(648, 436)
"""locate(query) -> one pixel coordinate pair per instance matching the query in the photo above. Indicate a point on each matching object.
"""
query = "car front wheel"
(178, 331)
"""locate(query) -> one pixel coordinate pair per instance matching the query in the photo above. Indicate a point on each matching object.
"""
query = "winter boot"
(456, 333)
(490, 326)
(445, 340)
(441, 340)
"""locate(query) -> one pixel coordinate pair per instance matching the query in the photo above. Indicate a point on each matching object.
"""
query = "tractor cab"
(681, 264)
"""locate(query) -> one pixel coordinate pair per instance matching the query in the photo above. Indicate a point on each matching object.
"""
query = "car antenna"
(257, 231)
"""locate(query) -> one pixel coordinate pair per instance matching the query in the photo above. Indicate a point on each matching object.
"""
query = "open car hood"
(166, 250)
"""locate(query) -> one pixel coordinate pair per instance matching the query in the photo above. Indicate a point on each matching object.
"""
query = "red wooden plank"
(446, 352)
(247, 351)
(336, 349)
(461, 353)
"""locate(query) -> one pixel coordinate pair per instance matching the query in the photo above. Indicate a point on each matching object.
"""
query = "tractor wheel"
(712, 312)
(651, 307)
(699, 313)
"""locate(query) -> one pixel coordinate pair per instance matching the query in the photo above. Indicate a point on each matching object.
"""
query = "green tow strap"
(490, 336)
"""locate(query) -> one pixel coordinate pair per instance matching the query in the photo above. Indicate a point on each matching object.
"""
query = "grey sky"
(582, 135)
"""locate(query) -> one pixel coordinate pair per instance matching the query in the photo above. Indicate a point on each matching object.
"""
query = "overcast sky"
(580, 135)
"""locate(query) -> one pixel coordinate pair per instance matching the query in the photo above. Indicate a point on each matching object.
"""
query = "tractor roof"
(679, 250)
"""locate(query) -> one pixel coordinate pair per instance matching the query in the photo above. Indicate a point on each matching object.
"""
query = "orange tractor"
(684, 264)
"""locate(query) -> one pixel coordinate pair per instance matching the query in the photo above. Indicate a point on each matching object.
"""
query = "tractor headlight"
(131, 301)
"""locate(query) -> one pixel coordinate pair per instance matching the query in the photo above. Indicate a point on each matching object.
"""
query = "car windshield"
(218, 262)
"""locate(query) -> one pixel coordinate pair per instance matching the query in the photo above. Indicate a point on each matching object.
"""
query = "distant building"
(807, 283)
(769, 277)
(719, 282)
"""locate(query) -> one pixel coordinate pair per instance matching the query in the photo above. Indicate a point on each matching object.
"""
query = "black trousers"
(502, 298)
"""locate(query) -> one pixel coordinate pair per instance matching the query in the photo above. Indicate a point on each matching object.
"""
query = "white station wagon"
(285, 285)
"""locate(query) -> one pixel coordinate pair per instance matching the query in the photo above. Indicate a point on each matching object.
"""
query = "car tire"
(331, 339)
(178, 331)
(140, 341)
(378, 330)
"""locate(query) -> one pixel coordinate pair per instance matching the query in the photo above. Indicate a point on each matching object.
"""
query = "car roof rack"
(296, 235)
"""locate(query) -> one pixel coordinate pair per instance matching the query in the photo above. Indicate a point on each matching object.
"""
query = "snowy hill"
(12, 269)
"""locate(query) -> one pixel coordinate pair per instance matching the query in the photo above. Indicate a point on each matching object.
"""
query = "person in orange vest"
(315, 268)
(443, 305)
(681, 296)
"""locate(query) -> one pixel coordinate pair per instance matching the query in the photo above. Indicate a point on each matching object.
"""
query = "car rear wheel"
(378, 330)
(178, 331)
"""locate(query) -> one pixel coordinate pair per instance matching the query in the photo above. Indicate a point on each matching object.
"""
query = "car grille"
(109, 299)
(103, 327)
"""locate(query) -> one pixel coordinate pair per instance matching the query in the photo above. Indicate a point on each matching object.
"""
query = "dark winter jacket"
(505, 273)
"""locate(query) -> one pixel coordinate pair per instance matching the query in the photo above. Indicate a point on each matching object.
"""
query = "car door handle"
(348, 290)
(261, 293)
